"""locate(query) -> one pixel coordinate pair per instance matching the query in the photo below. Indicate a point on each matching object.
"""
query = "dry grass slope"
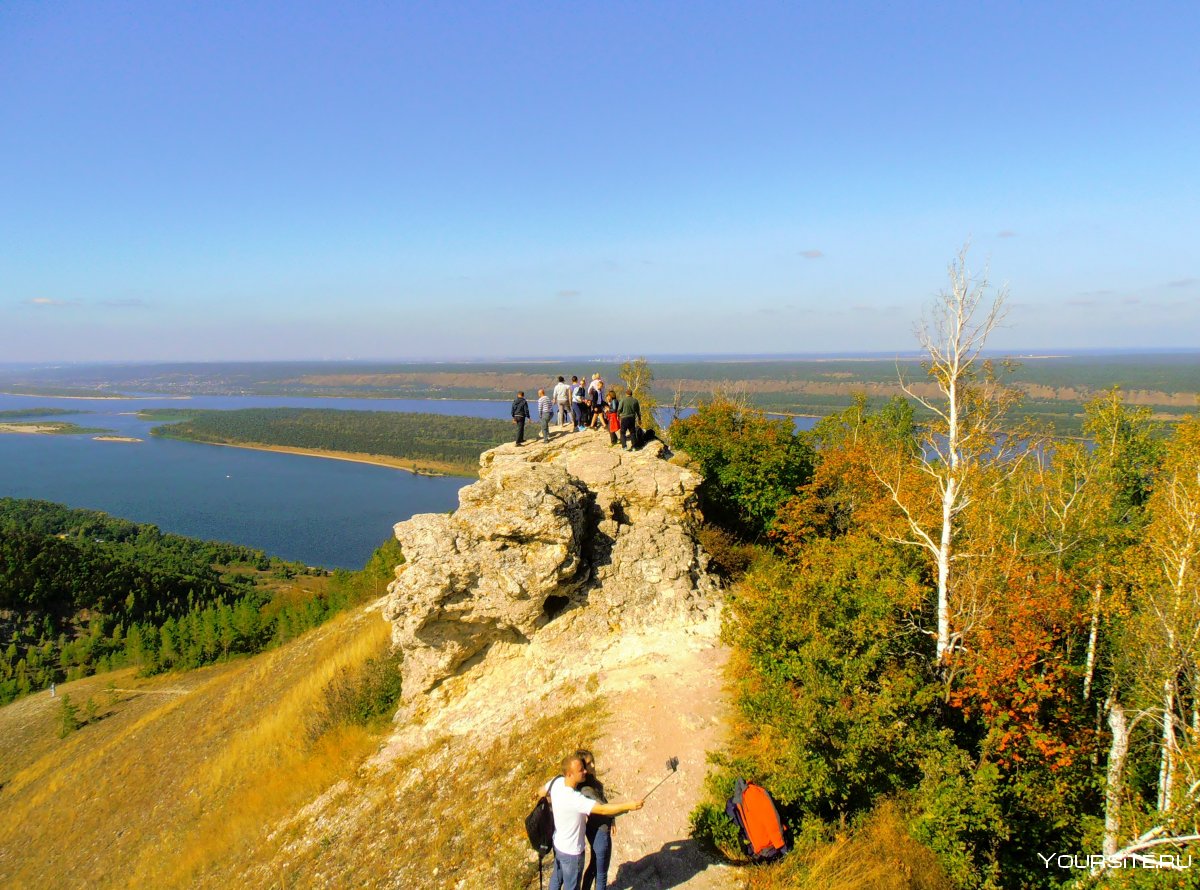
(180, 773)
(880, 855)
(207, 779)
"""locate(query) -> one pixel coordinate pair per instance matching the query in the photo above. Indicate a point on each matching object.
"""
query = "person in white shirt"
(571, 810)
(562, 398)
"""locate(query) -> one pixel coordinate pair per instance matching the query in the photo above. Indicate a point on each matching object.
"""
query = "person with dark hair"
(544, 412)
(612, 416)
(520, 414)
(631, 411)
(571, 809)
(577, 402)
(599, 828)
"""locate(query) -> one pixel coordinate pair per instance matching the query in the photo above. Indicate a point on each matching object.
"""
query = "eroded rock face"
(575, 527)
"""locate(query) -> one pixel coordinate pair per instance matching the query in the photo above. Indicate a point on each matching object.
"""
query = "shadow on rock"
(676, 863)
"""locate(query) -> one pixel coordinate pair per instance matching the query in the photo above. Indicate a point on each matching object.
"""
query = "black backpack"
(539, 824)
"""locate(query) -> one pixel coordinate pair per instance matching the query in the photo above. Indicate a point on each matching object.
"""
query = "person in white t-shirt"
(571, 810)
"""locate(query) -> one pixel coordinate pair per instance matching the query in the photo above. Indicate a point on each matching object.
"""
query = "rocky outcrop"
(574, 531)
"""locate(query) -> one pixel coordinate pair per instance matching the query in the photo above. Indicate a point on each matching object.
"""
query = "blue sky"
(414, 180)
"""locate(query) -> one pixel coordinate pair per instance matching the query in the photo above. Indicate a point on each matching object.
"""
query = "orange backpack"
(752, 809)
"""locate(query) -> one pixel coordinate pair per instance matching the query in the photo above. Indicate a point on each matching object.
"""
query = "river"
(317, 511)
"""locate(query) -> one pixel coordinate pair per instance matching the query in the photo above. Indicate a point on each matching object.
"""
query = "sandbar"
(416, 467)
(115, 439)
(28, 428)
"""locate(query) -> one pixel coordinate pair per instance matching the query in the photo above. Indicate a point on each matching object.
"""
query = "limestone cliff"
(574, 537)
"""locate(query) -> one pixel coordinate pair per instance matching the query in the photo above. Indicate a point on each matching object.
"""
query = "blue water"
(317, 511)
(320, 512)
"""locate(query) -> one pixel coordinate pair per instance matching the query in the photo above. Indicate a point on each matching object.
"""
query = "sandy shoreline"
(28, 428)
(418, 468)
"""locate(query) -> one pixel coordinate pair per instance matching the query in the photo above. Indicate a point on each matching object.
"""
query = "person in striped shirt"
(545, 407)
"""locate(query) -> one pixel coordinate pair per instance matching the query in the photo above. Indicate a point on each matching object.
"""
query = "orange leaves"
(1015, 676)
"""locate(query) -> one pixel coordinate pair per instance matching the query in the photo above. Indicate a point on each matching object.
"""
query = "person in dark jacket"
(520, 414)
(631, 412)
(599, 828)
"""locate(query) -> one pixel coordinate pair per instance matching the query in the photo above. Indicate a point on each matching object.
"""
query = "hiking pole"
(672, 765)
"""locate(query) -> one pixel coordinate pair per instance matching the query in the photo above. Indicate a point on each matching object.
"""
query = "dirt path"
(668, 706)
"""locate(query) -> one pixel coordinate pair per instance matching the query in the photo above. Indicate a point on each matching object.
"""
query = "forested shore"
(433, 443)
(83, 592)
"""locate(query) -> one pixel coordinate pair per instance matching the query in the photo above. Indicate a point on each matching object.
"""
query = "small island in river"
(424, 444)
(49, 428)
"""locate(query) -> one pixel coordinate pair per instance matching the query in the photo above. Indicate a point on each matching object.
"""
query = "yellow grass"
(453, 809)
(183, 773)
(880, 855)
(208, 778)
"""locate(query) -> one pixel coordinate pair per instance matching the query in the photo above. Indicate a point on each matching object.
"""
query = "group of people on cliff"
(583, 819)
(582, 406)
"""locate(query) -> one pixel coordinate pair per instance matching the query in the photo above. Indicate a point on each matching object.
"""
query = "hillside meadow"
(198, 779)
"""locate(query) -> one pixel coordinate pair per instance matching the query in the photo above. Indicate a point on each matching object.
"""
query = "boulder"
(574, 526)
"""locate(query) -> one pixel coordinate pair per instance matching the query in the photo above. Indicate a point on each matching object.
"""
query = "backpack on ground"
(754, 813)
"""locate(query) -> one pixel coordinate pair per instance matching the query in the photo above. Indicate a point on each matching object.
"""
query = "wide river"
(317, 511)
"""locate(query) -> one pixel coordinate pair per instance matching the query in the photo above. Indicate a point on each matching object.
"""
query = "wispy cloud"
(47, 301)
(1083, 302)
(1132, 301)
(1183, 282)
(568, 293)
(1095, 293)
(1006, 233)
(812, 254)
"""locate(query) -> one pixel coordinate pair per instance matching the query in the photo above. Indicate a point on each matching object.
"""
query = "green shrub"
(728, 556)
(360, 695)
(711, 827)
(68, 717)
(750, 463)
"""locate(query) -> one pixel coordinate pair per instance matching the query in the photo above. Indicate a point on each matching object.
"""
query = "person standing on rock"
(631, 412)
(571, 809)
(612, 415)
(562, 398)
(520, 414)
(599, 828)
(544, 412)
(577, 402)
(596, 401)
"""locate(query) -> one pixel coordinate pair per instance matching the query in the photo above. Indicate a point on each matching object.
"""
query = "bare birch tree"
(963, 437)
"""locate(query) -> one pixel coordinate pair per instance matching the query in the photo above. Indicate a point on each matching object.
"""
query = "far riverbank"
(417, 468)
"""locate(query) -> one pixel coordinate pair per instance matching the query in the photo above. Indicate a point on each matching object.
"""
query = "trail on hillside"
(663, 706)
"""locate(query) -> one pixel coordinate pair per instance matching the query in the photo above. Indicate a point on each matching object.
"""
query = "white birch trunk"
(1114, 788)
(1166, 769)
(943, 567)
(1093, 634)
